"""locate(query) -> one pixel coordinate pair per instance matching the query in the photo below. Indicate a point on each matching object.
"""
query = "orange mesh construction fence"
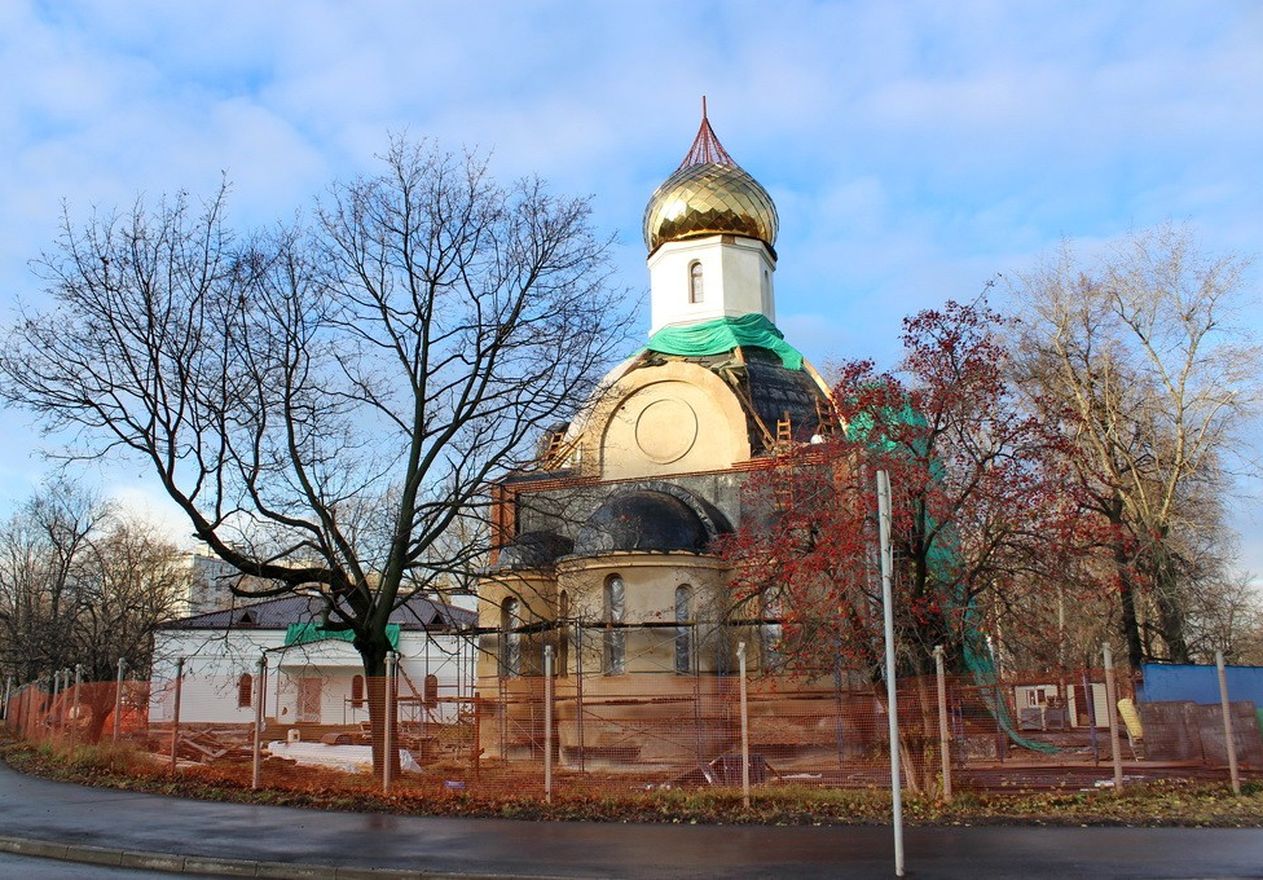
(604, 734)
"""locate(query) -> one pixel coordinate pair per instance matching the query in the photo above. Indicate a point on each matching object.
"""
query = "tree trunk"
(100, 706)
(1127, 597)
(1170, 611)
(373, 655)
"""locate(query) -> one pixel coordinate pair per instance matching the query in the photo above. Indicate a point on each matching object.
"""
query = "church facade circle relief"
(666, 430)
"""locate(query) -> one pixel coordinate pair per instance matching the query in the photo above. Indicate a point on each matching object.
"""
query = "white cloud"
(914, 149)
(142, 505)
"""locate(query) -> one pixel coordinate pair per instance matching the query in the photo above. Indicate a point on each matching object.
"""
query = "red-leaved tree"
(982, 517)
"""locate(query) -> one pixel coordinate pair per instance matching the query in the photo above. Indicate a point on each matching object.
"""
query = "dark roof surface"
(533, 550)
(777, 392)
(642, 520)
(417, 613)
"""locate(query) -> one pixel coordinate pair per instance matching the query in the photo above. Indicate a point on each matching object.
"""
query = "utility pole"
(892, 706)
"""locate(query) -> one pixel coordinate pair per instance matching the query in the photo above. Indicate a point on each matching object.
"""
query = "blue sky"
(914, 149)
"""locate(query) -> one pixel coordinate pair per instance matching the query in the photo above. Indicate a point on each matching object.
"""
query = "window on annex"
(684, 629)
(695, 282)
(357, 691)
(615, 638)
(245, 691)
(510, 639)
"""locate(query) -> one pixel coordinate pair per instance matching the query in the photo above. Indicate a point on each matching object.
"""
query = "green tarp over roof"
(305, 633)
(723, 335)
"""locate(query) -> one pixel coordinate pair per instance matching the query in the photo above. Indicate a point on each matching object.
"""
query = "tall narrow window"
(245, 691)
(563, 633)
(615, 642)
(771, 633)
(684, 629)
(357, 691)
(510, 639)
(695, 282)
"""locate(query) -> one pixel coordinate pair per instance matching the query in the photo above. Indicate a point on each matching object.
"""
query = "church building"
(606, 550)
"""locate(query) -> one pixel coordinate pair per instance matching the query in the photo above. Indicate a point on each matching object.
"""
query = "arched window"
(563, 632)
(684, 629)
(771, 632)
(245, 691)
(510, 639)
(357, 691)
(615, 641)
(695, 282)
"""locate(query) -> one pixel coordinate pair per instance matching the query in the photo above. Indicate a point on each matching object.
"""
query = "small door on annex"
(309, 701)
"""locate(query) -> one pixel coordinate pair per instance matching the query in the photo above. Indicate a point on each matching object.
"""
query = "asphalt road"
(28, 868)
(45, 810)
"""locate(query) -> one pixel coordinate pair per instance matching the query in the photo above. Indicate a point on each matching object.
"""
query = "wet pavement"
(40, 809)
(31, 868)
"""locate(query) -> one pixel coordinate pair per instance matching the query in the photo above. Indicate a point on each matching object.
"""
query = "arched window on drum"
(615, 641)
(563, 633)
(510, 639)
(684, 629)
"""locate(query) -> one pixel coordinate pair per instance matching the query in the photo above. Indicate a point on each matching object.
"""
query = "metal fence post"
(745, 726)
(34, 704)
(548, 723)
(8, 686)
(1230, 744)
(578, 692)
(943, 737)
(1111, 697)
(1090, 698)
(175, 714)
(388, 738)
(74, 706)
(118, 699)
(260, 684)
(56, 716)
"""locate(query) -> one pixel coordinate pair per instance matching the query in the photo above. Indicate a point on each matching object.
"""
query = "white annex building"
(314, 675)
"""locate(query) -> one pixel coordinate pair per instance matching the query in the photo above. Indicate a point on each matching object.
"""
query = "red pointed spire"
(706, 146)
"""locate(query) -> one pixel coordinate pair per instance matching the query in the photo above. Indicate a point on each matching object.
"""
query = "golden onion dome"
(709, 194)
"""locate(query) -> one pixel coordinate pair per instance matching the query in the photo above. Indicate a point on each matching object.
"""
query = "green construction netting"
(723, 335)
(943, 559)
(306, 633)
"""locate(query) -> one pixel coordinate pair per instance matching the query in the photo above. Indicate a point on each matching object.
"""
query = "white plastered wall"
(215, 660)
(737, 279)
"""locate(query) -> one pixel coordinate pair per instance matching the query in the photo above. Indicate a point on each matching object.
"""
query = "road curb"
(214, 866)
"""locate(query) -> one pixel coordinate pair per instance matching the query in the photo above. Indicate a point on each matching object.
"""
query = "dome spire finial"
(706, 147)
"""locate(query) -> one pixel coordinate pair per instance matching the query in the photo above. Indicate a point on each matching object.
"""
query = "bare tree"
(43, 552)
(81, 587)
(132, 581)
(327, 402)
(1139, 359)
